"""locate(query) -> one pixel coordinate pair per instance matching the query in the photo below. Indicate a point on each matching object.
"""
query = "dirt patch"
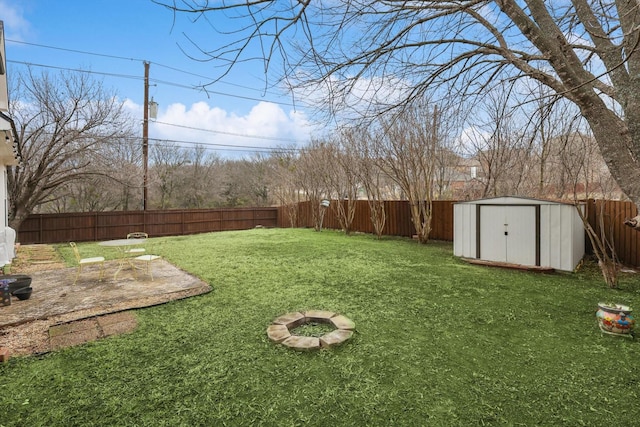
(26, 326)
(31, 258)
(80, 331)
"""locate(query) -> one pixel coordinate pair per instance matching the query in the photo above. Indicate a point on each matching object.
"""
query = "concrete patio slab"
(54, 293)
(59, 313)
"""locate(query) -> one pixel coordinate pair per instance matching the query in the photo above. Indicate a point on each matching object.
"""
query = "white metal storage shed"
(517, 230)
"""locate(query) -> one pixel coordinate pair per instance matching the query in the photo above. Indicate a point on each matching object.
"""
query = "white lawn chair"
(136, 235)
(86, 261)
(148, 259)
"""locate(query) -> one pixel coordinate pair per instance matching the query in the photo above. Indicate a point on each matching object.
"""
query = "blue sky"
(112, 38)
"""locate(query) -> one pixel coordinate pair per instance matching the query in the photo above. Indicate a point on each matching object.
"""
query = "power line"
(240, 147)
(267, 138)
(132, 77)
(126, 59)
(192, 87)
(213, 146)
(225, 146)
(208, 78)
(221, 147)
(213, 92)
(72, 50)
(77, 70)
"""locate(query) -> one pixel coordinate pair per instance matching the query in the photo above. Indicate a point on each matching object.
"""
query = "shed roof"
(512, 200)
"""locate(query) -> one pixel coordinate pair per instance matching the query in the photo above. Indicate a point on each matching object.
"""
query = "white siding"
(464, 230)
(5, 199)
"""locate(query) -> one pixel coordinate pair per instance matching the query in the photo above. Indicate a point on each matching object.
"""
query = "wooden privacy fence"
(612, 212)
(398, 221)
(94, 226)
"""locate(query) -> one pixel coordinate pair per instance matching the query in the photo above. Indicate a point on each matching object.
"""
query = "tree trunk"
(378, 216)
(611, 133)
(18, 218)
(421, 217)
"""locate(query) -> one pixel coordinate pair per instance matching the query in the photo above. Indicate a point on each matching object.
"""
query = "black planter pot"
(23, 293)
(21, 281)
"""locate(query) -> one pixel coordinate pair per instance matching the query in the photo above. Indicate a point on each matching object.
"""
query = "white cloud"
(348, 99)
(472, 139)
(16, 27)
(266, 125)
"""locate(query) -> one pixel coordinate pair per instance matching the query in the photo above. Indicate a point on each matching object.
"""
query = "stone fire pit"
(280, 329)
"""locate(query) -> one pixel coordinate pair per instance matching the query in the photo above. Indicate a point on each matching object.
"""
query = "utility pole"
(145, 135)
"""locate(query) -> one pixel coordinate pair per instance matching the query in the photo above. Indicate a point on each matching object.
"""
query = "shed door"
(508, 234)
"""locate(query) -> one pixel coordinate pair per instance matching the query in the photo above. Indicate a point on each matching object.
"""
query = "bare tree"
(126, 180)
(549, 116)
(406, 150)
(254, 178)
(447, 163)
(63, 121)
(580, 161)
(498, 146)
(198, 178)
(281, 178)
(342, 177)
(581, 166)
(369, 175)
(244, 182)
(311, 178)
(167, 159)
(103, 187)
(577, 160)
(585, 51)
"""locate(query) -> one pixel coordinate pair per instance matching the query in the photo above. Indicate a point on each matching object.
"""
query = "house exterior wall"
(560, 231)
(8, 157)
(4, 198)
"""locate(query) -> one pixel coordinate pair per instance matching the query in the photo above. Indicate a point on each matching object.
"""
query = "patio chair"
(148, 259)
(86, 261)
(136, 235)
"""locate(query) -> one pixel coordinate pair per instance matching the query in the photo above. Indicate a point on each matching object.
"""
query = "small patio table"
(121, 245)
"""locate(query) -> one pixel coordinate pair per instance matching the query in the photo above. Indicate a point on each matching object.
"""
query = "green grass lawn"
(438, 342)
